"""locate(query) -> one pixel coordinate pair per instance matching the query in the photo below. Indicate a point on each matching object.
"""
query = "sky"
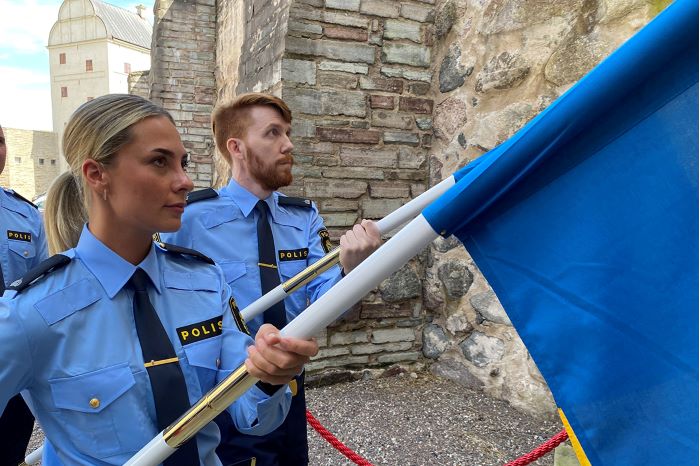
(25, 95)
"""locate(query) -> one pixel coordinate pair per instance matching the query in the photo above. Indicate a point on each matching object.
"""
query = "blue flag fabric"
(585, 223)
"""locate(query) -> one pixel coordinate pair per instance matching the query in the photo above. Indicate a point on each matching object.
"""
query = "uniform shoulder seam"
(46, 267)
(201, 195)
(172, 248)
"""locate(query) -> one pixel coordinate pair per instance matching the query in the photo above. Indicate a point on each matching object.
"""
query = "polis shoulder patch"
(202, 194)
(51, 264)
(325, 240)
(237, 317)
(22, 198)
(185, 252)
(294, 202)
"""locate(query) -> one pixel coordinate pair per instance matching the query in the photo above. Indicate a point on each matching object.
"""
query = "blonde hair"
(231, 120)
(97, 130)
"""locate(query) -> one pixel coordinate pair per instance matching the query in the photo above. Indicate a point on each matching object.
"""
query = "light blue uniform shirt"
(225, 229)
(23, 242)
(69, 340)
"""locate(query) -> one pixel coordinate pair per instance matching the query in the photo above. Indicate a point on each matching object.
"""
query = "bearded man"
(260, 238)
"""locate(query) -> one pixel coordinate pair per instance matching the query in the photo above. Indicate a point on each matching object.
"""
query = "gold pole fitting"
(308, 274)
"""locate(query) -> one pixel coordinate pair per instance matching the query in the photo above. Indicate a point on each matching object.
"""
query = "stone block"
(369, 157)
(379, 208)
(412, 158)
(379, 189)
(313, 147)
(384, 311)
(337, 80)
(340, 219)
(349, 5)
(339, 205)
(400, 137)
(327, 102)
(424, 123)
(412, 75)
(338, 50)
(305, 28)
(348, 338)
(393, 358)
(488, 306)
(344, 189)
(380, 84)
(391, 120)
(406, 54)
(450, 116)
(456, 277)
(452, 72)
(416, 105)
(381, 101)
(299, 71)
(423, 14)
(435, 341)
(343, 66)
(445, 18)
(380, 8)
(402, 285)
(332, 352)
(482, 349)
(302, 128)
(356, 136)
(370, 348)
(346, 33)
(391, 335)
(353, 173)
(344, 19)
(396, 29)
(505, 71)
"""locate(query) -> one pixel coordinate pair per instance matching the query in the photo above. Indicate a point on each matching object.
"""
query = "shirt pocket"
(22, 249)
(297, 298)
(233, 270)
(204, 357)
(101, 412)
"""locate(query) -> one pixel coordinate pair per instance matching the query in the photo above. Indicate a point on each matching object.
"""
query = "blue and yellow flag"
(585, 223)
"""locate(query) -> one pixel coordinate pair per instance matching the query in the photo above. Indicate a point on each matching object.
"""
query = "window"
(53, 161)
(127, 68)
(64, 91)
(41, 161)
(18, 159)
(88, 65)
(62, 58)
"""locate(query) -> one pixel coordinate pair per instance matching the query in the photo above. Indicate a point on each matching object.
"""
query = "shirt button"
(94, 403)
(218, 362)
(26, 253)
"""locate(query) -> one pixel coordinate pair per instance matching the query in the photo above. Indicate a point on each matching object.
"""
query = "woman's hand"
(276, 360)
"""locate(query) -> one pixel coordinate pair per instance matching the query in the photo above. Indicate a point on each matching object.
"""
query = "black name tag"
(293, 254)
(19, 236)
(200, 331)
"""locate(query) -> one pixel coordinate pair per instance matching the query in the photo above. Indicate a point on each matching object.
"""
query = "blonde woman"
(113, 339)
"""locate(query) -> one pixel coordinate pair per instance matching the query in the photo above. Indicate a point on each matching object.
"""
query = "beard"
(271, 175)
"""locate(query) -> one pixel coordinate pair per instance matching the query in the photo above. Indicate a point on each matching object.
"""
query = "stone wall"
(139, 84)
(389, 97)
(497, 64)
(181, 78)
(32, 161)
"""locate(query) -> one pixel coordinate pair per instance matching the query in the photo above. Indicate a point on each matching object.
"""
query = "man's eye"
(185, 161)
(159, 162)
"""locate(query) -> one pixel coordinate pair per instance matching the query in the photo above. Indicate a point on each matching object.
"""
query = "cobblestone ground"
(416, 421)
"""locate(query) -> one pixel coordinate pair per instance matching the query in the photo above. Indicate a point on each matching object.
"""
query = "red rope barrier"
(526, 459)
(540, 451)
(330, 438)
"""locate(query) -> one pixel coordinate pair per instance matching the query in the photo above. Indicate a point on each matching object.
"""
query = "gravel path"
(418, 420)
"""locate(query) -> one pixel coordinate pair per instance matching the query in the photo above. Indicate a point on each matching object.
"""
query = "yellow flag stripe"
(578, 450)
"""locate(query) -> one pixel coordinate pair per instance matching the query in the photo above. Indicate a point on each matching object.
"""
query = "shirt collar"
(245, 200)
(110, 269)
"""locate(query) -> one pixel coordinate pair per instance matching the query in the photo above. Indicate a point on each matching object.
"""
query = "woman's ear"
(96, 179)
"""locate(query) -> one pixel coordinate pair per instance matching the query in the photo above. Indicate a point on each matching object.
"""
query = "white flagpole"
(391, 222)
(387, 259)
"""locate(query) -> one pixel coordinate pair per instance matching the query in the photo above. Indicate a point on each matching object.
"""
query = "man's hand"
(276, 360)
(358, 243)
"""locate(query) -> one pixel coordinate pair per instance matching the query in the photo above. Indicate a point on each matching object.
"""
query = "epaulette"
(201, 195)
(185, 252)
(20, 197)
(49, 265)
(294, 201)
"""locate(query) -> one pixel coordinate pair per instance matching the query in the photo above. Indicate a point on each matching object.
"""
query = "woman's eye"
(160, 162)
